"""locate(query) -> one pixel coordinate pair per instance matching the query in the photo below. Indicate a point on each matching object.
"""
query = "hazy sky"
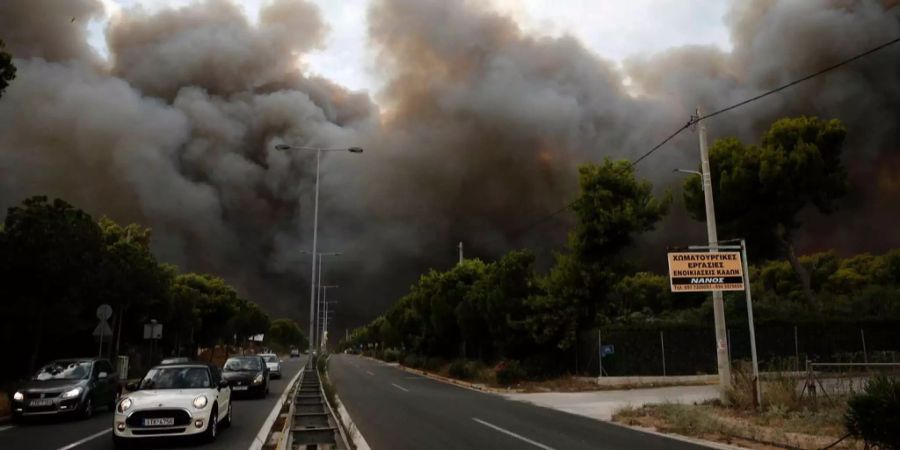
(613, 29)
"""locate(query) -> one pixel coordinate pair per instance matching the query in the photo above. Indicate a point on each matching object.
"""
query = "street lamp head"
(282, 147)
(355, 150)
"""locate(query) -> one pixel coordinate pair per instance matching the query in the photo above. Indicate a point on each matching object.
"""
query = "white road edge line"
(89, 438)
(505, 431)
(260, 438)
(400, 387)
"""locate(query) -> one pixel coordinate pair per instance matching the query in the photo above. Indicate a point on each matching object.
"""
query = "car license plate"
(240, 388)
(160, 422)
(41, 402)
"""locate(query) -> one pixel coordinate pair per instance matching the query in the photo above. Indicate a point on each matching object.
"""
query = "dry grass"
(773, 429)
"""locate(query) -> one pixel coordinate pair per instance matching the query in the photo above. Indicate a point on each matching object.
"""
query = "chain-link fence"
(690, 350)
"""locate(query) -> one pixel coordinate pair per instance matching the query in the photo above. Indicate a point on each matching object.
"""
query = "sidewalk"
(602, 404)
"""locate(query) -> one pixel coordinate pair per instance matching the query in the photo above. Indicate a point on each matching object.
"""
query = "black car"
(247, 374)
(68, 386)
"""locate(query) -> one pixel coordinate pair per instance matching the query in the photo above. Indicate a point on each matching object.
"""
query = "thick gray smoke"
(477, 133)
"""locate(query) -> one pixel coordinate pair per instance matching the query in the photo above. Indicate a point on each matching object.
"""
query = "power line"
(694, 120)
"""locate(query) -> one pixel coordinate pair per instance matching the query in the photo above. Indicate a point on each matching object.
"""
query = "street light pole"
(724, 364)
(324, 307)
(312, 278)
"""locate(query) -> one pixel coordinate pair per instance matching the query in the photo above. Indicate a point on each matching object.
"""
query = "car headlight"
(124, 405)
(258, 379)
(18, 396)
(200, 402)
(72, 393)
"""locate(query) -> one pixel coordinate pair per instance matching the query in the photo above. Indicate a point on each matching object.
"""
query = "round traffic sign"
(104, 312)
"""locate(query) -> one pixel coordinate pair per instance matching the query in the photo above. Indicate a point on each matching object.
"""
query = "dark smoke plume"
(477, 133)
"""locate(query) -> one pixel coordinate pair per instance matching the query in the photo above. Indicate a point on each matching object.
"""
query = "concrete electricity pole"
(460, 252)
(718, 305)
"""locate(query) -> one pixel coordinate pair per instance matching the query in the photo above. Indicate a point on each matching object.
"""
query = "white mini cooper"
(184, 399)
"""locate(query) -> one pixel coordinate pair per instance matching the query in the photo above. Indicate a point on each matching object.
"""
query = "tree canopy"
(759, 190)
(7, 68)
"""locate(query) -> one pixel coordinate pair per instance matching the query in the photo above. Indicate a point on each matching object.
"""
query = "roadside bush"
(391, 355)
(433, 364)
(413, 361)
(873, 414)
(461, 369)
(539, 367)
(509, 372)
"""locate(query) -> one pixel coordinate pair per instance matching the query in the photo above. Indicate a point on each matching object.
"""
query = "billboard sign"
(705, 271)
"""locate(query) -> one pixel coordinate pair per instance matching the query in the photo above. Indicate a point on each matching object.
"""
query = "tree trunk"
(799, 270)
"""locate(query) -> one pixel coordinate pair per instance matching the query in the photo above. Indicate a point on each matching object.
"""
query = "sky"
(614, 30)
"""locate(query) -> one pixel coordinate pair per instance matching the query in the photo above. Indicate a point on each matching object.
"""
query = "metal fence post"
(796, 349)
(662, 346)
(862, 335)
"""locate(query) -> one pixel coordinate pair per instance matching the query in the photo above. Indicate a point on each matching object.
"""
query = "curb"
(356, 437)
(678, 437)
(436, 377)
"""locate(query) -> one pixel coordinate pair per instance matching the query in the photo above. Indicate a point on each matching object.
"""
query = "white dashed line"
(6, 427)
(510, 433)
(400, 387)
(370, 373)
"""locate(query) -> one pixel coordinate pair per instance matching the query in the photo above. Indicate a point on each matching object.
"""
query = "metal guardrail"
(313, 422)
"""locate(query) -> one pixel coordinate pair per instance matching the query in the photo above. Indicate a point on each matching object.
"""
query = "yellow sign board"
(706, 271)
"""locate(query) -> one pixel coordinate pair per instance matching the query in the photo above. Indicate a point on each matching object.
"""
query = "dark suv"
(68, 386)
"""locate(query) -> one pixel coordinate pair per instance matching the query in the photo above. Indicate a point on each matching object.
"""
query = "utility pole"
(460, 252)
(713, 236)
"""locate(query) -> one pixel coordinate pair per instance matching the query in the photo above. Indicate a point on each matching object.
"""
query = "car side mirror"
(132, 386)
(223, 384)
(102, 376)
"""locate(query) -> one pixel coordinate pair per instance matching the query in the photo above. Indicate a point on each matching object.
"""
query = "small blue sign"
(606, 350)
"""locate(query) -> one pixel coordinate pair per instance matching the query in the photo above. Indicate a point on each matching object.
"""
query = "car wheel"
(87, 410)
(226, 422)
(212, 429)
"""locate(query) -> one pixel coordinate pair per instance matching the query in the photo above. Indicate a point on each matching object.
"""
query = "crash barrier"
(313, 423)
(273, 435)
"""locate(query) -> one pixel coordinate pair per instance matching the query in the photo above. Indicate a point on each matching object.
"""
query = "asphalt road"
(96, 433)
(397, 410)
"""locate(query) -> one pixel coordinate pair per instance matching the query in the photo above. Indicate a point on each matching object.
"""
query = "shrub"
(391, 355)
(509, 372)
(411, 360)
(873, 414)
(432, 364)
(461, 369)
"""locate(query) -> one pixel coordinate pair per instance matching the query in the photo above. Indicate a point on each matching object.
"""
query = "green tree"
(51, 255)
(613, 208)
(133, 282)
(7, 68)
(760, 189)
(213, 305)
(287, 333)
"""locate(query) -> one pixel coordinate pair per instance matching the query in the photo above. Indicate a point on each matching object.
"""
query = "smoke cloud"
(476, 134)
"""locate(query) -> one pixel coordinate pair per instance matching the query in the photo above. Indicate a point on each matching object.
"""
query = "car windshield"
(270, 358)
(176, 378)
(64, 370)
(241, 364)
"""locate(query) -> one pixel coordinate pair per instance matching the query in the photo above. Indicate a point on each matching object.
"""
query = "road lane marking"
(400, 387)
(370, 373)
(89, 438)
(6, 427)
(505, 431)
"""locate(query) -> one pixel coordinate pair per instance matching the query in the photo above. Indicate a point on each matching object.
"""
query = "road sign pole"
(600, 350)
(750, 322)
